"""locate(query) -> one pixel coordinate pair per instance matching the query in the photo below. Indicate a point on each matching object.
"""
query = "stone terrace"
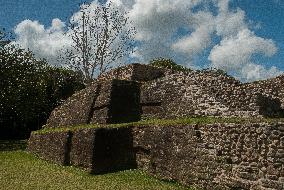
(148, 92)
(248, 156)
(210, 156)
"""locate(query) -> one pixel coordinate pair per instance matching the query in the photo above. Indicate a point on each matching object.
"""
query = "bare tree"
(102, 35)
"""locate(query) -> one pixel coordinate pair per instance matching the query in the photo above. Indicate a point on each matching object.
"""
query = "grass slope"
(20, 170)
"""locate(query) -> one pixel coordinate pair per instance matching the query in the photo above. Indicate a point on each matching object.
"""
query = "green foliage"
(11, 145)
(168, 64)
(217, 71)
(61, 84)
(23, 171)
(29, 90)
(221, 72)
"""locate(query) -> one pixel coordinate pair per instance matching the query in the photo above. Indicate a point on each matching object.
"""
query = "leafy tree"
(22, 89)
(61, 83)
(29, 91)
(168, 64)
(101, 36)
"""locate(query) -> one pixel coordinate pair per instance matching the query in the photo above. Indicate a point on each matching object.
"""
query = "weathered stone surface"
(215, 156)
(205, 93)
(112, 101)
(54, 146)
(166, 94)
(76, 109)
(135, 72)
(122, 104)
(218, 156)
(273, 87)
(82, 148)
(103, 150)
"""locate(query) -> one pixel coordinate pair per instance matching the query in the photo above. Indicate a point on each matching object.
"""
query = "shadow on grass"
(12, 145)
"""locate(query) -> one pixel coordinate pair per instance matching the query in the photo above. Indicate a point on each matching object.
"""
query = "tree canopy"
(29, 90)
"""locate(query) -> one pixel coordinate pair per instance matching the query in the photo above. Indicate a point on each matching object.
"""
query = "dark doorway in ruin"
(125, 102)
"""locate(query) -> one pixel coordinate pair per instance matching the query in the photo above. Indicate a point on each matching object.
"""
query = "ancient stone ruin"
(209, 156)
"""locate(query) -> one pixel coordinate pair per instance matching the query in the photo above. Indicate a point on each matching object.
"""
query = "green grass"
(168, 122)
(20, 170)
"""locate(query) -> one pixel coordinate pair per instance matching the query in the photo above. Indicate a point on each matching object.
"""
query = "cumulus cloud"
(234, 55)
(158, 24)
(199, 39)
(234, 52)
(251, 72)
(230, 23)
(43, 42)
(239, 44)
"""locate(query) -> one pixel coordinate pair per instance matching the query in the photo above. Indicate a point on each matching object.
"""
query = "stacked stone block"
(212, 156)
(53, 146)
(102, 150)
(167, 94)
(216, 156)
(113, 101)
(204, 93)
(219, 156)
(135, 72)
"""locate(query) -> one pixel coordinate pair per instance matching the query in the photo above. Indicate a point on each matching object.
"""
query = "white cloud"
(44, 43)
(234, 54)
(251, 72)
(223, 5)
(162, 18)
(199, 39)
(230, 23)
(157, 23)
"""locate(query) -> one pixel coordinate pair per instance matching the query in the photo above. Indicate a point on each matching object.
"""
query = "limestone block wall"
(112, 101)
(219, 156)
(204, 93)
(212, 156)
(97, 150)
(272, 87)
(102, 150)
(167, 94)
(75, 110)
(53, 146)
(135, 72)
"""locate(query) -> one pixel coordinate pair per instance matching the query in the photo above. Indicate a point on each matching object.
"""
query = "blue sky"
(264, 18)
(12, 12)
(270, 15)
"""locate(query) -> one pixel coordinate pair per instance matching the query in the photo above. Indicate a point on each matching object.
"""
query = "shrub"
(168, 64)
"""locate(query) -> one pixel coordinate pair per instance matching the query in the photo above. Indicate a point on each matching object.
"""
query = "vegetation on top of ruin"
(172, 65)
(168, 64)
(200, 120)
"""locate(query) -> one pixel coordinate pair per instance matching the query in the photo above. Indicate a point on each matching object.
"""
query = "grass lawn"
(20, 170)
